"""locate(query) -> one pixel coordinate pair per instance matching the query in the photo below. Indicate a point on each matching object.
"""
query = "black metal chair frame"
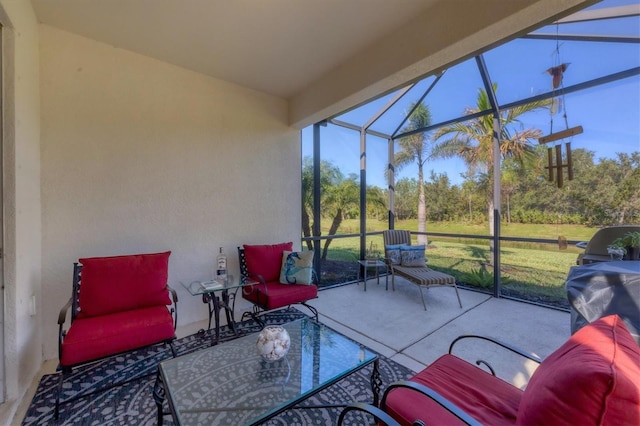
(380, 414)
(74, 304)
(258, 310)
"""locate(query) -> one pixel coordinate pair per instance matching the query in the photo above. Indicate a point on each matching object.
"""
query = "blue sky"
(609, 114)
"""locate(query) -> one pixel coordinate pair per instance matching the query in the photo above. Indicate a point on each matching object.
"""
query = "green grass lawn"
(545, 231)
(533, 271)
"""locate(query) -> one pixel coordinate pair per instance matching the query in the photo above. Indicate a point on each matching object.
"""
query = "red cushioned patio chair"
(263, 264)
(591, 379)
(118, 304)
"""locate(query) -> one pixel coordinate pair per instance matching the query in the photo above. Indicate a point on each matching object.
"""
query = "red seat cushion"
(484, 397)
(120, 283)
(91, 338)
(265, 260)
(594, 378)
(279, 295)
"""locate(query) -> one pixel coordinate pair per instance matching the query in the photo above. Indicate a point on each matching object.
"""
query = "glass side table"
(218, 295)
(376, 264)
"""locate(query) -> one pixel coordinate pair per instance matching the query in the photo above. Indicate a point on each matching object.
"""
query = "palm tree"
(414, 148)
(472, 140)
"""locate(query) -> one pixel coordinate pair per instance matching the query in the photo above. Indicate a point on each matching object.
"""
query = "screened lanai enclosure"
(500, 163)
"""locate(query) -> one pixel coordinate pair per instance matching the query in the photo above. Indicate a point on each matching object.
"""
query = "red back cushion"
(120, 283)
(266, 260)
(594, 378)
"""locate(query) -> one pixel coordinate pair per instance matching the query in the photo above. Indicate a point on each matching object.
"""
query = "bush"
(481, 278)
(478, 278)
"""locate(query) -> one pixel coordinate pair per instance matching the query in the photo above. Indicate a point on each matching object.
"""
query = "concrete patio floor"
(395, 324)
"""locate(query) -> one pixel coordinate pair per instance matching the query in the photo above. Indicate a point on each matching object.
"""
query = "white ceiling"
(322, 56)
(274, 46)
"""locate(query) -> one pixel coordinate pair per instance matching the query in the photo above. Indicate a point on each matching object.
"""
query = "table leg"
(206, 298)
(228, 311)
(216, 313)
(386, 279)
(376, 382)
(365, 277)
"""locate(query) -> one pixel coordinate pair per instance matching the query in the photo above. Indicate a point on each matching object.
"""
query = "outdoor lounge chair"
(591, 379)
(422, 276)
(118, 304)
(263, 265)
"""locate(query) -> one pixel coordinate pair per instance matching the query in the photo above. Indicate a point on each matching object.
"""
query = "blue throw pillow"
(392, 253)
(297, 267)
(412, 256)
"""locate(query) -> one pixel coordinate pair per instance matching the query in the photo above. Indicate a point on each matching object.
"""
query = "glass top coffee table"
(230, 383)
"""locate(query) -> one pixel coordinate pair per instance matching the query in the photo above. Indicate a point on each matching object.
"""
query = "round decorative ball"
(273, 343)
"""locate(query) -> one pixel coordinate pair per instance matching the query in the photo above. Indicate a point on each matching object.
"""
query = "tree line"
(604, 192)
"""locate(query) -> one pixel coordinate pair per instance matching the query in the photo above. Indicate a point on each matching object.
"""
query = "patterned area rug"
(133, 403)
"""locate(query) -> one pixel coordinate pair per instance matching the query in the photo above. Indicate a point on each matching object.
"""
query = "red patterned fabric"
(279, 295)
(594, 378)
(92, 338)
(119, 283)
(266, 260)
(484, 397)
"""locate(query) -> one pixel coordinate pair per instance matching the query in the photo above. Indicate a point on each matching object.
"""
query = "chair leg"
(313, 310)
(173, 349)
(457, 294)
(422, 296)
(56, 412)
(254, 316)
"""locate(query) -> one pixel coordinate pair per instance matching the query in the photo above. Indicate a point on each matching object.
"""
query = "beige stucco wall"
(21, 195)
(142, 156)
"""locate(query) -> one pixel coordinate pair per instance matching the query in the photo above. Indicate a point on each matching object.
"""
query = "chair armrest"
(261, 283)
(62, 317)
(377, 413)
(504, 345)
(390, 265)
(173, 309)
(433, 395)
(174, 295)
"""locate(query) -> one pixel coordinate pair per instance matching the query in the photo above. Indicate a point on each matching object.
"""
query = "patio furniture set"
(123, 303)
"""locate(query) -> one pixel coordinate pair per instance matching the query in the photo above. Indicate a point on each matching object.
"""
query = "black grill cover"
(600, 289)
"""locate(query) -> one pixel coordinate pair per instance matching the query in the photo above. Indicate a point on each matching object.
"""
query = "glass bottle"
(221, 266)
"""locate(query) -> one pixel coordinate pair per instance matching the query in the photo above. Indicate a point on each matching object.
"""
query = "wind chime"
(558, 103)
